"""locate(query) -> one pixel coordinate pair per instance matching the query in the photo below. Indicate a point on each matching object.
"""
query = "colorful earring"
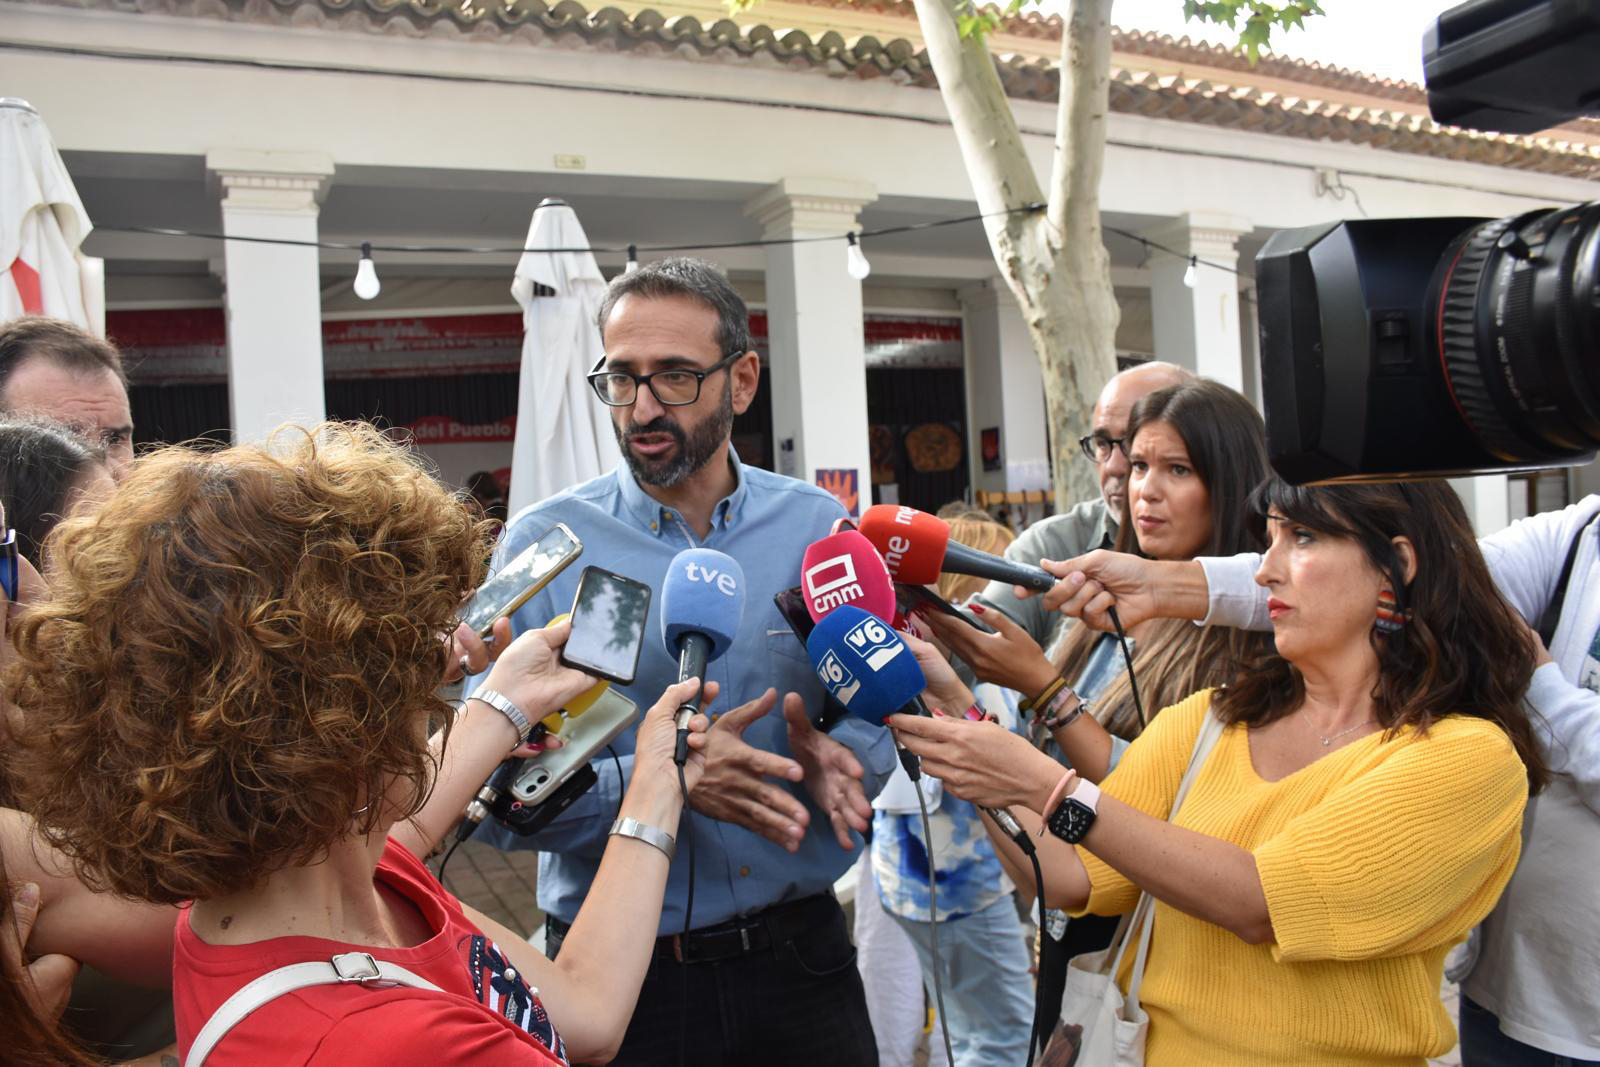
(1390, 618)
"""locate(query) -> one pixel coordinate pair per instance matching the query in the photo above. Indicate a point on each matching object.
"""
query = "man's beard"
(694, 449)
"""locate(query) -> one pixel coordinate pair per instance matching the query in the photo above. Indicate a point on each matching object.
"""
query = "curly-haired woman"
(1360, 811)
(227, 697)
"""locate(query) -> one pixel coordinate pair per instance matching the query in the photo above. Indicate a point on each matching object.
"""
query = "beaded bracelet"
(1054, 720)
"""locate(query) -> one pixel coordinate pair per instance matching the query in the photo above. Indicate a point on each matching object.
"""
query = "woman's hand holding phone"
(530, 674)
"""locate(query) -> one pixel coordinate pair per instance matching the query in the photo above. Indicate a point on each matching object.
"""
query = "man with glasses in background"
(1089, 524)
(767, 972)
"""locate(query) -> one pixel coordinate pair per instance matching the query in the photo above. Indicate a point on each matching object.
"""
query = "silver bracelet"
(628, 826)
(502, 703)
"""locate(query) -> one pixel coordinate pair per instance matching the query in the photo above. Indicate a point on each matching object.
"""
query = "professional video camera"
(1413, 347)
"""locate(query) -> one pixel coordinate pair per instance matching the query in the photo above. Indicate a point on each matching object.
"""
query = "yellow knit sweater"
(1376, 859)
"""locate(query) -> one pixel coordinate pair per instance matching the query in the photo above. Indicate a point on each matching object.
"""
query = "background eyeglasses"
(1097, 446)
(674, 388)
(8, 565)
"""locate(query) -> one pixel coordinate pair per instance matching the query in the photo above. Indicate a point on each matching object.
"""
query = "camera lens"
(1516, 306)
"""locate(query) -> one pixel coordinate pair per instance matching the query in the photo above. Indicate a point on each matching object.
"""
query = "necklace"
(1327, 739)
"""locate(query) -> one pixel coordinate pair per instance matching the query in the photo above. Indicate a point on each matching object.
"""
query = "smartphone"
(516, 582)
(910, 598)
(548, 783)
(792, 606)
(608, 620)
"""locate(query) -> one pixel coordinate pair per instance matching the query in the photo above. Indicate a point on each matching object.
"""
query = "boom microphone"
(844, 568)
(702, 603)
(916, 547)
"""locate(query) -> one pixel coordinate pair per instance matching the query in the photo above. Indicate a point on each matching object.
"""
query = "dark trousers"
(799, 1001)
(1483, 1045)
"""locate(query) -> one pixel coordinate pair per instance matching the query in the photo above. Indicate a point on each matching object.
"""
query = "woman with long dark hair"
(1358, 812)
(1195, 452)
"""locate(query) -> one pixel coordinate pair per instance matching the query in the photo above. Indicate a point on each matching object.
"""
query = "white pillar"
(1488, 501)
(1005, 390)
(818, 352)
(1198, 328)
(273, 292)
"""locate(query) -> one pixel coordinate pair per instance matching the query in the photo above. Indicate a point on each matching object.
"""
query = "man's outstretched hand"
(733, 787)
(832, 773)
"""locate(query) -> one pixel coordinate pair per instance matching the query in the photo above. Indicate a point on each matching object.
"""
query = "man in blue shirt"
(768, 965)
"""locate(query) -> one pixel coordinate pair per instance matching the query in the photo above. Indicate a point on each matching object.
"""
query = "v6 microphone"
(916, 546)
(865, 665)
(702, 603)
(844, 568)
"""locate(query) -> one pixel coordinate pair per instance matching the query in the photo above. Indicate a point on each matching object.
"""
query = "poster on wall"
(845, 484)
(989, 445)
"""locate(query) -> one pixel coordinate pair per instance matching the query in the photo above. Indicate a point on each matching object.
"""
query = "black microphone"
(959, 559)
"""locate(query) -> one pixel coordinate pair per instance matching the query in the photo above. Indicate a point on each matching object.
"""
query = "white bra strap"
(357, 967)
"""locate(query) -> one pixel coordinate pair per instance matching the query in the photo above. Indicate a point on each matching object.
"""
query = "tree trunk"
(1054, 261)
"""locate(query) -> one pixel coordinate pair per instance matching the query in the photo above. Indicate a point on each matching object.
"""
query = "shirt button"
(744, 872)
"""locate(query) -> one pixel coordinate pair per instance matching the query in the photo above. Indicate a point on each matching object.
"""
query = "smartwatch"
(1075, 814)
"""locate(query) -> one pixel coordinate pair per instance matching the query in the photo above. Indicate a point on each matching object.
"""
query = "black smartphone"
(909, 598)
(512, 585)
(608, 620)
(792, 606)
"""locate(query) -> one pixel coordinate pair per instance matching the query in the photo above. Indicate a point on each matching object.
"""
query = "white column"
(818, 354)
(273, 292)
(1005, 390)
(1198, 328)
(1488, 501)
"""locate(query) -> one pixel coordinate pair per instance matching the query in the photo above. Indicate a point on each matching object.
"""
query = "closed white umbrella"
(564, 434)
(42, 225)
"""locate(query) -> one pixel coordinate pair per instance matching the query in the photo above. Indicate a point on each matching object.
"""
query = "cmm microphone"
(916, 546)
(702, 603)
(844, 568)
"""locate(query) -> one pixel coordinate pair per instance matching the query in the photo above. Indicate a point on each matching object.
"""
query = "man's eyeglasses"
(8, 565)
(1097, 446)
(675, 388)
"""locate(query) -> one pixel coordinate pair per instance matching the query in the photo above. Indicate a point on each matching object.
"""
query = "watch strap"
(507, 707)
(628, 826)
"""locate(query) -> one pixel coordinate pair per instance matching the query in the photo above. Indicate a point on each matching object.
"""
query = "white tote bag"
(1100, 1027)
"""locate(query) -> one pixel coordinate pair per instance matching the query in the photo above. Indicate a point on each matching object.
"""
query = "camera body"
(1401, 348)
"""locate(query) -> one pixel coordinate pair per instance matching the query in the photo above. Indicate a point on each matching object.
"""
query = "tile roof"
(1227, 97)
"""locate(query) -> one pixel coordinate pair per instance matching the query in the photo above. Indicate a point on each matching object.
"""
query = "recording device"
(844, 568)
(702, 604)
(919, 598)
(545, 785)
(514, 584)
(916, 547)
(1396, 348)
(865, 665)
(608, 619)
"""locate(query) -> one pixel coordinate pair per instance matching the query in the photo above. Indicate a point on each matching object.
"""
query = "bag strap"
(1551, 616)
(1143, 917)
(347, 967)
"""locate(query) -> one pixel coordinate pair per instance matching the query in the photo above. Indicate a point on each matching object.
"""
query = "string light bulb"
(633, 260)
(855, 260)
(1191, 273)
(366, 285)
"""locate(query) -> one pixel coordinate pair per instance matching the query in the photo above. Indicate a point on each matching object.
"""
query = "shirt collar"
(652, 515)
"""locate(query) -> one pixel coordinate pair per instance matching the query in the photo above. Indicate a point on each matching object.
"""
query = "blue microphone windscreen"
(702, 593)
(865, 665)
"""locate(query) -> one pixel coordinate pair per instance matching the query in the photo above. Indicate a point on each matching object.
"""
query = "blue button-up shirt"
(766, 524)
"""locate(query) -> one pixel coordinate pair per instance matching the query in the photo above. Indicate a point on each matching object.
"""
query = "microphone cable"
(1009, 826)
(688, 911)
(913, 768)
(1127, 657)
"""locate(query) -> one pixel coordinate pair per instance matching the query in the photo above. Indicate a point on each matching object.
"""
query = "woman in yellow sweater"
(1360, 812)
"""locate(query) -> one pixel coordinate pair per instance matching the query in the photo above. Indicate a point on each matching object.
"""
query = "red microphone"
(916, 546)
(844, 568)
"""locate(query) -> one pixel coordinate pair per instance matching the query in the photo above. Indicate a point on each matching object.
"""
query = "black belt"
(740, 936)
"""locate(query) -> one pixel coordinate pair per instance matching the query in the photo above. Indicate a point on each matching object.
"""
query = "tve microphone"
(702, 602)
(865, 665)
(916, 546)
(844, 568)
